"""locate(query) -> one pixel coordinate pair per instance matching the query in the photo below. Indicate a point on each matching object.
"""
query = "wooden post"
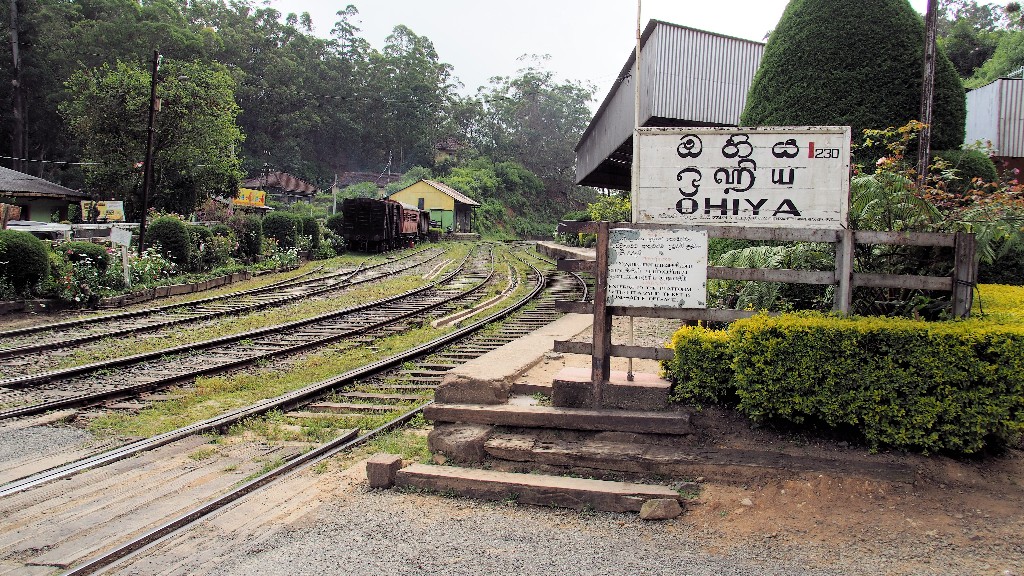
(965, 274)
(844, 272)
(602, 341)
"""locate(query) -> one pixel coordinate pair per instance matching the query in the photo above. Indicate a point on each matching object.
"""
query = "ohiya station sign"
(790, 177)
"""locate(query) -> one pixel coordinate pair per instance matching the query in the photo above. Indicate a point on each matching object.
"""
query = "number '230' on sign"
(790, 177)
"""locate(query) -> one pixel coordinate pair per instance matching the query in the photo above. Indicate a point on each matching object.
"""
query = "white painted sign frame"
(779, 177)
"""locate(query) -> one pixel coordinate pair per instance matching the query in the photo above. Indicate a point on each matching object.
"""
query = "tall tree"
(833, 62)
(197, 133)
(534, 119)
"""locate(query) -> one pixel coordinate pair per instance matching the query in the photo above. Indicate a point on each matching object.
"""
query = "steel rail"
(343, 283)
(308, 459)
(283, 402)
(127, 391)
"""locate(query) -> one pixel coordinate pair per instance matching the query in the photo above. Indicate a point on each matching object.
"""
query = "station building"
(448, 207)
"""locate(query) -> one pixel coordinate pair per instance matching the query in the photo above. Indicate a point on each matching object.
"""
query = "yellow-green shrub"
(955, 386)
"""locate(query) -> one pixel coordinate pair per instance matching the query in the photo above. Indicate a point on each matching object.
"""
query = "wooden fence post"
(965, 274)
(844, 272)
(602, 340)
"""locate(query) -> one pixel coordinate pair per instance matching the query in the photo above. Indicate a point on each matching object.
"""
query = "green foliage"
(172, 237)
(968, 165)
(611, 209)
(334, 223)
(282, 227)
(950, 386)
(701, 368)
(1007, 58)
(196, 132)
(86, 252)
(831, 62)
(23, 260)
(248, 229)
(311, 228)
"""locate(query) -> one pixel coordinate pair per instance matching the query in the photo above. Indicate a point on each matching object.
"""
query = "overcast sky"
(588, 40)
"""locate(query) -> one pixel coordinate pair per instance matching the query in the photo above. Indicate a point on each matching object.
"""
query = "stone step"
(568, 418)
(537, 489)
(659, 455)
(573, 388)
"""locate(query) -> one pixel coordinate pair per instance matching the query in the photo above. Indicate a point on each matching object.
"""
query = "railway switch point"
(381, 469)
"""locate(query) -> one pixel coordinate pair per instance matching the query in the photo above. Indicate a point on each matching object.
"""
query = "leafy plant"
(23, 260)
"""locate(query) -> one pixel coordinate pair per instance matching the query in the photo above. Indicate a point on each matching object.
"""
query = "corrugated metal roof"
(13, 182)
(458, 196)
(283, 180)
(689, 77)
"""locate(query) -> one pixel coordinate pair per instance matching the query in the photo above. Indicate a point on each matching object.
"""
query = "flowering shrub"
(150, 267)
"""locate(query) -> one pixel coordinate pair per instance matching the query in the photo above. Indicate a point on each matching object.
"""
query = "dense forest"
(245, 88)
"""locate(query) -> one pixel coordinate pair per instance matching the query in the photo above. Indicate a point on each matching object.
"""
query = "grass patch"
(203, 454)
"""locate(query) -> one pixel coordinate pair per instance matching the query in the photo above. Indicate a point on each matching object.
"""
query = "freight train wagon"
(373, 225)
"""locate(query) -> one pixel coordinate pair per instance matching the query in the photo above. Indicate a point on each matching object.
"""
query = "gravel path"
(379, 532)
(16, 443)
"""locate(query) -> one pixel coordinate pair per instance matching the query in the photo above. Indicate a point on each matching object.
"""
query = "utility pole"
(147, 176)
(927, 93)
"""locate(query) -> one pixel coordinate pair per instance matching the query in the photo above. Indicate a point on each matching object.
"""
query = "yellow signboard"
(106, 211)
(250, 197)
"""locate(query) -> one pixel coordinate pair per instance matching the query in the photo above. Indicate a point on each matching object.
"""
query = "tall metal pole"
(927, 92)
(147, 175)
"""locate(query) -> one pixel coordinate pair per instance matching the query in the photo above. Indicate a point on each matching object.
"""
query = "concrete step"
(573, 388)
(663, 456)
(567, 418)
(576, 493)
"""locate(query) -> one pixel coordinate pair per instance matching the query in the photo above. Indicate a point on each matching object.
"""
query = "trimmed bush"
(24, 260)
(334, 223)
(954, 386)
(833, 62)
(248, 230)
(281, 226)
(81, 251)
(968, 164)
(702, 366)
(311, 228)
(173, 237)
(222, 230)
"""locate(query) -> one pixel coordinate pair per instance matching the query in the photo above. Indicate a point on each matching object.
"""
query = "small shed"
(448, 207)
(283, 187)
(995, 114)
(688, 77)
(40, 200)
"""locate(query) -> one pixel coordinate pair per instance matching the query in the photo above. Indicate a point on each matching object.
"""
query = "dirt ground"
(927, 511)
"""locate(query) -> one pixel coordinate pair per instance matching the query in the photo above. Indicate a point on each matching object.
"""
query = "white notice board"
(785, 177)
(657, 268)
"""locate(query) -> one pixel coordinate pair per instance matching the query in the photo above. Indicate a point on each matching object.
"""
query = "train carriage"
(372, 225)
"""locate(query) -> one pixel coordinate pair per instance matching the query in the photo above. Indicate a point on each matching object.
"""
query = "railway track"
(126, 377)
(408, 378)
(72, 333)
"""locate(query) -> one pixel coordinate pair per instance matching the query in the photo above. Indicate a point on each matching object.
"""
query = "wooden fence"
(960, 282)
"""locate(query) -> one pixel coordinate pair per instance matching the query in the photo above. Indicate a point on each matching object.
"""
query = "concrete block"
(660, 509)
(577, 493)
(460, 442)
(568, 418)
(468, 389)
(572, 388)
(381, 470)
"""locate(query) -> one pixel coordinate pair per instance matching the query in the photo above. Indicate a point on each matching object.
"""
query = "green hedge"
(80, 251)
(955, 386)
(968, 164)
(173, 237)
(24, 260)
(311, 228)
(283, 227)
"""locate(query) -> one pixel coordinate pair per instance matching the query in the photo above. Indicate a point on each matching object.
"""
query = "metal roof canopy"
(689, 77)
